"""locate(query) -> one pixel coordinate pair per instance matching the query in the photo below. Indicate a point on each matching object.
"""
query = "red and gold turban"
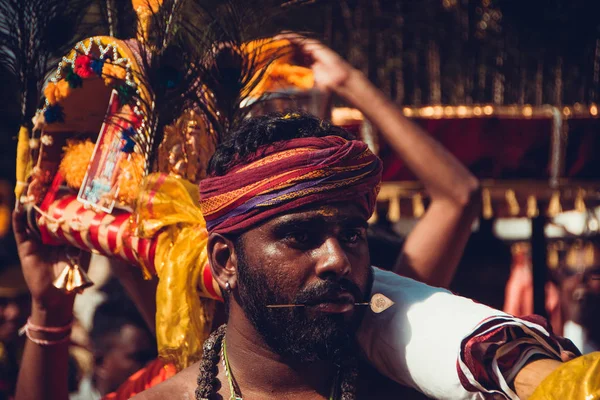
(288, 175)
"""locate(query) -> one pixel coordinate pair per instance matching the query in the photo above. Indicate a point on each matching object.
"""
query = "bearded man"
(286, 206)
(303, 243)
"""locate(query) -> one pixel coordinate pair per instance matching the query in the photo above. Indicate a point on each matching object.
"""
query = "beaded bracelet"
(47, 329)
(29, 327)
(43, 342)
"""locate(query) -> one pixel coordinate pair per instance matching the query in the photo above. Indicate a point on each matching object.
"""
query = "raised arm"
(44, 366)
(433, 249)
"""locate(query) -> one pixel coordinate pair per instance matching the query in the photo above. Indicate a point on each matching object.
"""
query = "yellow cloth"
(145, 10)
(280, 76)
(578, 379)
(265, 51)
(276, 56)
(23, 162)
(169, 205)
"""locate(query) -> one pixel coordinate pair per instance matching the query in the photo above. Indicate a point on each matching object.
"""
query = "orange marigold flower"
(55, 92)
(76, 157)
(112, 72)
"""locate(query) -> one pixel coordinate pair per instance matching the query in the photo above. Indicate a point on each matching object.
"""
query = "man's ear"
(223, 260)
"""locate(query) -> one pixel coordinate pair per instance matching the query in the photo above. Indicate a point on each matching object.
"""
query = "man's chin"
(101, 385)
(315, 337)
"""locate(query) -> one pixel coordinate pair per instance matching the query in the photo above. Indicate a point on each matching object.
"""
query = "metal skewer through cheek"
(304, 305)
(378, 303)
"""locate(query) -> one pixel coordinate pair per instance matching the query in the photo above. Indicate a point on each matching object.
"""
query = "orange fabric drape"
(147, 377)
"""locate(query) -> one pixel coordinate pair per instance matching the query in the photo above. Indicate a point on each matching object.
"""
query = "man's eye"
(352, 236)
(301, 237)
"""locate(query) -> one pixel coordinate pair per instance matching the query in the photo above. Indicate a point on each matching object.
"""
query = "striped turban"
(287, 175)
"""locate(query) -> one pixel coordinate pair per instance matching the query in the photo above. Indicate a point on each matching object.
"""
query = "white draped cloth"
(424, 341)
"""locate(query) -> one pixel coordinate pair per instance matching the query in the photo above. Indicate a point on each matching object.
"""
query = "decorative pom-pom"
(62, 90)
(55, 92)
(54, 113)
(49, 93)
(38, 121)
(74, 164)
(83, 66)
(125, 93)
(129, 144)
(129, 132)
(47, 140)
(74, 80)
(112, 72)
(97, 66)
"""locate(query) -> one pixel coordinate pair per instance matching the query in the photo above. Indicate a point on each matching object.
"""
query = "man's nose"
(333, 260)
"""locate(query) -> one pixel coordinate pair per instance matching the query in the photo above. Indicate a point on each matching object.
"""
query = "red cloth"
(493, 341)
(288, 175)
(518, 298)
(492, 148)
(154, 373)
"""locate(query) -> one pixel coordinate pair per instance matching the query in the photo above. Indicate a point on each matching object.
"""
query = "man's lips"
(333, 308)
(337, 304)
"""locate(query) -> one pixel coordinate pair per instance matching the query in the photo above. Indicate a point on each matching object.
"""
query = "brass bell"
(72, 279)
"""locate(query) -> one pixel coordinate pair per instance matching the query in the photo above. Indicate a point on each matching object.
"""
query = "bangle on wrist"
(30, 327)
(47, 329)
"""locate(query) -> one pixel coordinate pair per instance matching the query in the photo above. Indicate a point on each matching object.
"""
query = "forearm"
(532, 375)
(44, 369)
(433, 250)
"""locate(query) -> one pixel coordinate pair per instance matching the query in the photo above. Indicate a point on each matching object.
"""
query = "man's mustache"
(328, 290)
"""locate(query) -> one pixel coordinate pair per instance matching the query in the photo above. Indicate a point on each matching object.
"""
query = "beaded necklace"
(343, 387)
(234, 393)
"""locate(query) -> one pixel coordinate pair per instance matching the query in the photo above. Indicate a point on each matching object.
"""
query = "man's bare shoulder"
(181, 386)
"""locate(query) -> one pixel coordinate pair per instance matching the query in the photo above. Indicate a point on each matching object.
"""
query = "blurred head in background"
(578, 278)
(122, 342)
(15, 303)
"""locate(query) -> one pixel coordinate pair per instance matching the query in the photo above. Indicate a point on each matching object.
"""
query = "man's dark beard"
(291, 332)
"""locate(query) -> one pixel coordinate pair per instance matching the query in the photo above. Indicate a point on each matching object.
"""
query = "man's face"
(118, 355)
(318, 258)
(580, 293)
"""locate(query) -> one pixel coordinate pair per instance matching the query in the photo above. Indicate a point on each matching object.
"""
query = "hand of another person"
(331, 72)
(41, 264)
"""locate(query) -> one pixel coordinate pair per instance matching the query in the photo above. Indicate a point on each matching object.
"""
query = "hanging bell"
(72, 279)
